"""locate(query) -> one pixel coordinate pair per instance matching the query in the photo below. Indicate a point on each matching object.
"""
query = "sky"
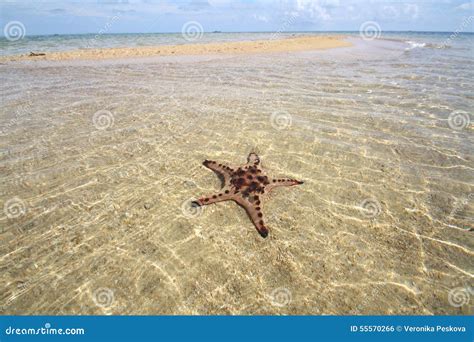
(150, 16)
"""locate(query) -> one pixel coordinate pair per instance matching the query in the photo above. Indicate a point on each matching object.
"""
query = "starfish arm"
(256, 215)
(221, 169)
(214, 198)
(276, 182)
(253, 159)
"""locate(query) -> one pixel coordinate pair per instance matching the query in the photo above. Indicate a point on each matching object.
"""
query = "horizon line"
(219, 32)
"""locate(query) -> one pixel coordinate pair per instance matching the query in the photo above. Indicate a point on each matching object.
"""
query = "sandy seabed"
(100, 160)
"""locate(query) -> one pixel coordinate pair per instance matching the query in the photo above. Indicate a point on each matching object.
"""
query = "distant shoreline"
(304, 43)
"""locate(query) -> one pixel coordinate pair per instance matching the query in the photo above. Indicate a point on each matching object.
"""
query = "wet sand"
(245, 47)
(100, 160)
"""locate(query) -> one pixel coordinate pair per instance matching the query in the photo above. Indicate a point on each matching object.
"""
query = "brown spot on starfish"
(246, 185)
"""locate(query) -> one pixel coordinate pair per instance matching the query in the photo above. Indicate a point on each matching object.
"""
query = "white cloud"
(261, 18)
(411, 10)
(468, 6)
(312, 10)
(217, 3)
(389, 12)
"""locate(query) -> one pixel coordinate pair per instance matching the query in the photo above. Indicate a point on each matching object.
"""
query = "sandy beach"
(100, 160)
(245, 47)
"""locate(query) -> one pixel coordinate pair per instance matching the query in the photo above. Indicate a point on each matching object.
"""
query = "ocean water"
(53, 43)
(100, 160)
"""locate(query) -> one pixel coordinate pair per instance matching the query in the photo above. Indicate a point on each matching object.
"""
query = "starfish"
(246, 185)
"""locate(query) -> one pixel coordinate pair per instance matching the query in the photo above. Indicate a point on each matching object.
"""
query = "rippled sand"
(99, 160)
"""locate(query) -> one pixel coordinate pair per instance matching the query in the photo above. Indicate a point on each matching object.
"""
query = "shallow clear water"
(99, 161)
